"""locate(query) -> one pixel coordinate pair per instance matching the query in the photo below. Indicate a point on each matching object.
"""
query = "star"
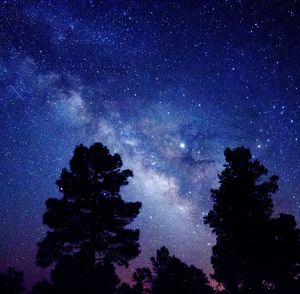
(182, 145)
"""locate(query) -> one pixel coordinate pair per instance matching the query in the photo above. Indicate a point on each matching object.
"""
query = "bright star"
(182, 145)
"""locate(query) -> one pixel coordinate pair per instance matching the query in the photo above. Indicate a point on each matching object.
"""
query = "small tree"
(171, 275)
(142, 278)
(124, 288)
(251, 251)
(91, 218)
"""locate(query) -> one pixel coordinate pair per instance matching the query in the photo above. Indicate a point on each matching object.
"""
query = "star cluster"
(168, 85)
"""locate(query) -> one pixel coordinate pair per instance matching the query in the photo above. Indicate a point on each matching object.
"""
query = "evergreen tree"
(90, 221)
(251, 249)
(171, 275)
(142, 278)
(124, 288)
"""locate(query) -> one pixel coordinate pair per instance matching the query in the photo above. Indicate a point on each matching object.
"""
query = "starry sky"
(166, 84)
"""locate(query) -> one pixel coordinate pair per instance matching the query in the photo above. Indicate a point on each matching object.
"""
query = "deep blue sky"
(166, 84)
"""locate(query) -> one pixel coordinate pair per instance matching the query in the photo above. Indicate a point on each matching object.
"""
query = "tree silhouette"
(88, 225)
(11, 282)
(124, 288)
(285, 250)
(251, 248)
(173, 276)
(142, 278)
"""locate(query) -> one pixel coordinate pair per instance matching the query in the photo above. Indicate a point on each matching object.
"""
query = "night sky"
(168, 85)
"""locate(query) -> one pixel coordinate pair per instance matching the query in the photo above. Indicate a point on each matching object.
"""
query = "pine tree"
(251, 251)
(142, 278)
(171, 275)
(91, 218)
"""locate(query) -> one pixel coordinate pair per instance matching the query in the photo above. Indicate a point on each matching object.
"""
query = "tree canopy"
(90, 221)
(251, 254)
(171, 275)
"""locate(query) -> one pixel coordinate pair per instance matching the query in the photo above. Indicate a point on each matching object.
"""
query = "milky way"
(167, 85)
